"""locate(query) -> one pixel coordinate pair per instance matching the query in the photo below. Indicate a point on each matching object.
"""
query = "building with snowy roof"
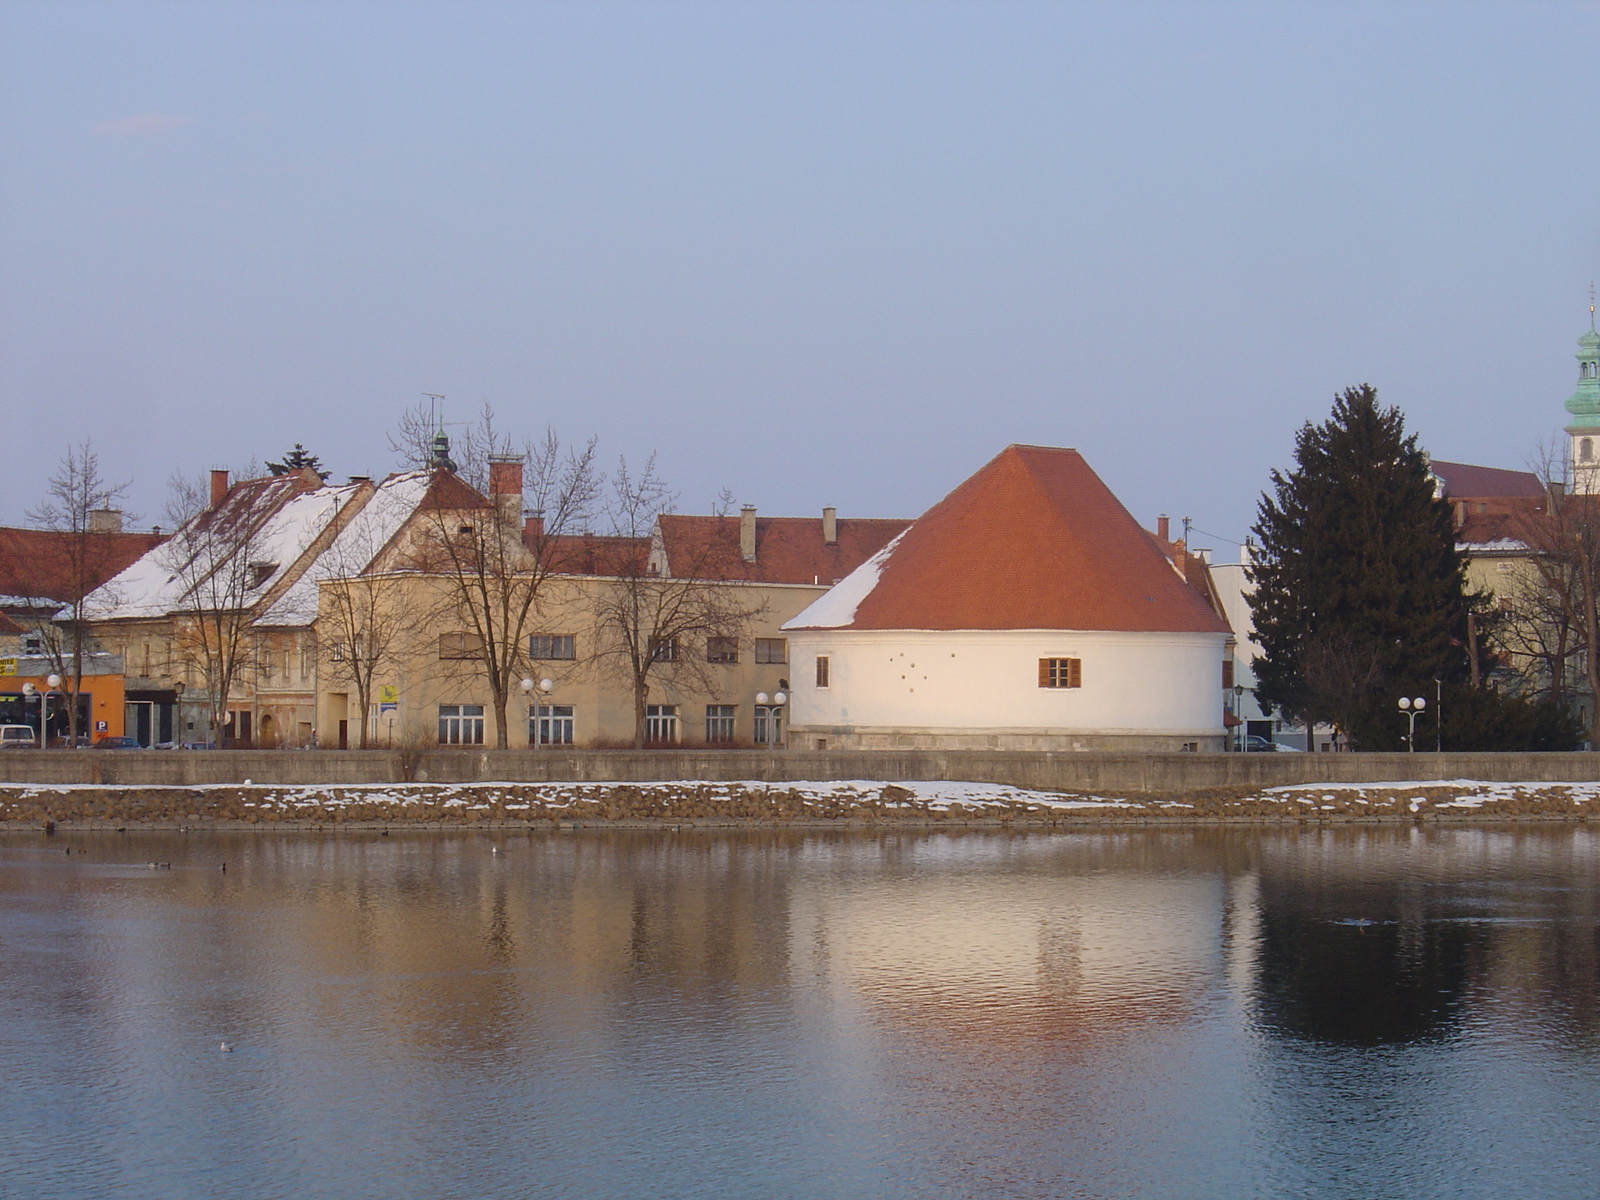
(1027, 610)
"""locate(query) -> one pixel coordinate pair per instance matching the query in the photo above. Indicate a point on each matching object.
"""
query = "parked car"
(118, 743)
(18, 737)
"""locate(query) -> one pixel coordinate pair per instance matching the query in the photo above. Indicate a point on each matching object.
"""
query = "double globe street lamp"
(51, 683)
(769, 727)
(1411, 706)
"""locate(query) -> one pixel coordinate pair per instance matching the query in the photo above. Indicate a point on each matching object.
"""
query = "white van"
(18, 737)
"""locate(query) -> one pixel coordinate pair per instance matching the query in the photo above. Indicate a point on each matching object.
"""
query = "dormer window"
(260, 572)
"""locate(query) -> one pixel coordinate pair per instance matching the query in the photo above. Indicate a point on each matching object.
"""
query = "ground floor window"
(661, 722)
(550, 725)
(1060, 672)
(719, 722)
(769, 725)
(461, 724)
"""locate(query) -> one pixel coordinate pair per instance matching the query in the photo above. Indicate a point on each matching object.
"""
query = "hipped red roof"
(1034, 540)
(788, 549)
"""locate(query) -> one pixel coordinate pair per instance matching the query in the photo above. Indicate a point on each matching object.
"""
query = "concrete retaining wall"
(1089, 772)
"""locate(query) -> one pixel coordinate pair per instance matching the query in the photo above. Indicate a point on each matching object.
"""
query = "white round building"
(1027, 610)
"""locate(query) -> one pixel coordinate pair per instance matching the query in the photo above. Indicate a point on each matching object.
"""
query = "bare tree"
(362, 619)
(657, 624)
(492, 566)
(468, 446)
(79, 508)
(216, 559)
(1563, 538)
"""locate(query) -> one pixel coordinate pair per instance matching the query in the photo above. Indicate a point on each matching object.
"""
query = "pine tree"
(1359, 593)
(296, 459)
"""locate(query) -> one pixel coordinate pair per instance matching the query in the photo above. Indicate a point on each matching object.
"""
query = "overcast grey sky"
(817, 253)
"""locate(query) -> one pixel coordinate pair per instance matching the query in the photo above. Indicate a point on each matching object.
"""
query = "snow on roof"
(837, 606)
(273, 520)
(354, 548)
(1498, 544)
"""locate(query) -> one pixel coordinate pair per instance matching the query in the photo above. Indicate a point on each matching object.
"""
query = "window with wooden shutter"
(1060, 672)
(460, 645)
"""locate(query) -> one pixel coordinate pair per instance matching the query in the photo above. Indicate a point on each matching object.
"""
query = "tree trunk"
(502, 740)
(641, 689)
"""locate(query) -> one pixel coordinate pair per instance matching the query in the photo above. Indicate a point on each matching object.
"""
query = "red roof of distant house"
(1034, 540)
(1464, 481)
(592, 554)
(34, 562)
(788, 549)
(8, 627)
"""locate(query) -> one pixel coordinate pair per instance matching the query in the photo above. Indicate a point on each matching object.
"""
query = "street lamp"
(545, 686)
(770, 728)
(1239, 742)
(1411, 707)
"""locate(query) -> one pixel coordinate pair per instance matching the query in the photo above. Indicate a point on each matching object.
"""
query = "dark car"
(118, 743)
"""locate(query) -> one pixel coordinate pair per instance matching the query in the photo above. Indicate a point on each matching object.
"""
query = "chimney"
(830, 526)
(1163, 528)
(105, 520)
(747, 533)
(533, 527)
(219, 486)
(505, 488)
(361, 479)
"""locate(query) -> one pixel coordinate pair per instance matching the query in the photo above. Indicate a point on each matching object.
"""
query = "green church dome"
(1584, 404)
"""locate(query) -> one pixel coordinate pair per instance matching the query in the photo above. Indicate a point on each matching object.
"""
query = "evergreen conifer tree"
(296, 459)
(1359, 593)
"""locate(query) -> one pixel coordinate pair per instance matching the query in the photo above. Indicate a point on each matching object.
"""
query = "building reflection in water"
(974, 1013)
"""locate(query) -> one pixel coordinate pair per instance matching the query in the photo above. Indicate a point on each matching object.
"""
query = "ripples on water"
(1215, 1013)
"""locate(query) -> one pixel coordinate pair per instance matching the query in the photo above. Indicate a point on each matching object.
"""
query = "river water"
(1352, 1012)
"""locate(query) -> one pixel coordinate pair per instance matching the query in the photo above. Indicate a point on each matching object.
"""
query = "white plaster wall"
(1132, 682)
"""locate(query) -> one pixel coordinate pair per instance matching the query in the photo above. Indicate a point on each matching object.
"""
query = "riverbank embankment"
(1101, 773)
(712, 804)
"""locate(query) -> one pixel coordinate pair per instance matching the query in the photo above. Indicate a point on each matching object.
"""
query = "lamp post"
(770, 727)
(542, 701)
(1239, 742)
(1411, 707)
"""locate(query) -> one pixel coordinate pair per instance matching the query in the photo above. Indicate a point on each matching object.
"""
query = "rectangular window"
(550, 725)
(552, 645)
(661, 723)
(1227, 673)
(722, 650)
(719, 722)
(460, 645)
(822, 670)
(461, 724)
(1060, 672)
(769, 725)
(772, 650)
(664, 650)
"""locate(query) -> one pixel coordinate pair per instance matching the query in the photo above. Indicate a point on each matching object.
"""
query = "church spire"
(1584, 405)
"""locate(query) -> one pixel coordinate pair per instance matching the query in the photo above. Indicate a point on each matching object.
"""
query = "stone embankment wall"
(1096, 773)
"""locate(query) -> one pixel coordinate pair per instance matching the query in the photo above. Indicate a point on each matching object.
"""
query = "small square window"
(460, 646)
(552, 646)
(664, 650)
(772, 650)
(1060, 672)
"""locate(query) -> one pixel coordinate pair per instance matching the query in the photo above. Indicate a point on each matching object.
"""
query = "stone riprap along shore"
(850, 803)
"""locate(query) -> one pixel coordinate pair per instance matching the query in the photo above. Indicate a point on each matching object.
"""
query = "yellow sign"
(8, 666)
(387, 693)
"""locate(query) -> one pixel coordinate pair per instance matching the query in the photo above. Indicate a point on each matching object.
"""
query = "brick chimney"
(533, 528)
(1163, 528)
(747, 533)
(830, 526)
(505, 488)
(105, 520)
(219, 486)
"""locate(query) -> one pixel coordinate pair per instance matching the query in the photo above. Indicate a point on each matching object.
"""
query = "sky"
(813, 253)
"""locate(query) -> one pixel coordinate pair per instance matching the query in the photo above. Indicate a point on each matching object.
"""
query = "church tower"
(1584, 405)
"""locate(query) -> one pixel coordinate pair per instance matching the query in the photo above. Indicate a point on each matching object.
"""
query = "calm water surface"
(1347, 1013)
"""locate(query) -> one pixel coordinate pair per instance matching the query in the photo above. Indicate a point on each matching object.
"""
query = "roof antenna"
(1591, 306)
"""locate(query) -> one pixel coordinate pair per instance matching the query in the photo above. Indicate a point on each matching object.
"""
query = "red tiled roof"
(8, 627)
(36, 564)
(1034, 540)
(591, 554)
(788, 549)
(448, 493)
(1464, 481)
